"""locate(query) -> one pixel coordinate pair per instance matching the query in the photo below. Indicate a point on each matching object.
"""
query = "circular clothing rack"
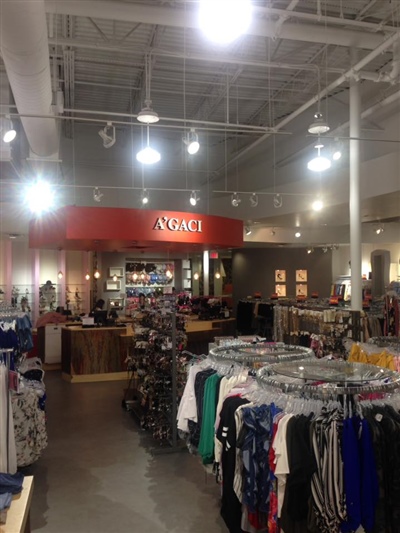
(385, 342)
(324, 378)
(261, 354)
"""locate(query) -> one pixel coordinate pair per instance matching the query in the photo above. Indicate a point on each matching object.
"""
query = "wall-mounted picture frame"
(301, 276)
(280, 290)
(280, 276)
(301, 290)
(112, 285)
(116, 271)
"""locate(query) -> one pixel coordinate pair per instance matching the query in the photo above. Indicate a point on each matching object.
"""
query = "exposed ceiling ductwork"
(24, 48)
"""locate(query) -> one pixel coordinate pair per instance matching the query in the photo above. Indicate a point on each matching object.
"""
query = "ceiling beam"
(166, 16)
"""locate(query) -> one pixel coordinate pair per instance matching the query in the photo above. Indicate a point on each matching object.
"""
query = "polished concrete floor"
(98, 473)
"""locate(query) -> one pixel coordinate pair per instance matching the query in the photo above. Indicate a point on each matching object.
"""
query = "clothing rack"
(338, 378)
(263, 353)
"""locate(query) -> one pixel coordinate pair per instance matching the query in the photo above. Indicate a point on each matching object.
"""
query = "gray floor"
(98, 475)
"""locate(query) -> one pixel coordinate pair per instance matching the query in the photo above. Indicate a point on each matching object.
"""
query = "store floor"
(98, 475)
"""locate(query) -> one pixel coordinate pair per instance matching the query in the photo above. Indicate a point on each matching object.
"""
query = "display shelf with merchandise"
(75, 298)
(187, 275)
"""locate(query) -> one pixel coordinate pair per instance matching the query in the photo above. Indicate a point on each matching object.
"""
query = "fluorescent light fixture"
(278, 201)
(247, 230)
(108, 135)
(145, 197)
(8, 132)
(60, 275)
(192, 142)
(235, 200)
(223, 21)
(319, 125)
(319, 163)
(39, 197)
(297, 234)
(147, 115)
(317, 205)
(148, 156)
(97, 194)
(193, 199)
(254, 200)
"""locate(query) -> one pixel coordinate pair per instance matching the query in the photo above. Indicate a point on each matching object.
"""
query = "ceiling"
(250, 102)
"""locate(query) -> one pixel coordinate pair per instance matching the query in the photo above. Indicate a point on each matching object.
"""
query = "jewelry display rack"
(327, 378)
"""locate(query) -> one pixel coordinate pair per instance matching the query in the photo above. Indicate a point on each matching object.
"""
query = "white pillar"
(354, 202)
(62, 264)
(36, 284)
(206, 273)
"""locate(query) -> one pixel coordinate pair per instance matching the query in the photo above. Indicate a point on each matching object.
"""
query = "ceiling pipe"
(179, 18)
(25, 51)
(391, 41)
(390, 77)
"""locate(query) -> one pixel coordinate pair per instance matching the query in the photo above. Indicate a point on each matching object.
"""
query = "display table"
(18, 518)
(93, 354)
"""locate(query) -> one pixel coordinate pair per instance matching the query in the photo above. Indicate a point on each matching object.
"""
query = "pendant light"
(147, 115)
(115, 277)
(96, 274)
(218, 275)
(147, 155)
(87, 276)
(319, 163)
(60, 275)
(223, 21)
(319, 126)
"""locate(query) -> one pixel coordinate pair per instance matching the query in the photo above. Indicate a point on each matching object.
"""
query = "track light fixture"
(278, 201)
(191, 140)
(380, 229)
(247, 230)
(97, 194)
(254, 200)
(194, 198)
(145, 197)
(297, 234)
(272, 232)
(310, 250)
(8, 132)
(235, 200)
(108, 135)
(325, 249)
(319, 125)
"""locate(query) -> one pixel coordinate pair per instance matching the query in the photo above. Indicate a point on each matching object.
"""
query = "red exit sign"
(213, 255)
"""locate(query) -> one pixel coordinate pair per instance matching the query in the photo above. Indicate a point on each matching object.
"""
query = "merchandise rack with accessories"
(157, 374)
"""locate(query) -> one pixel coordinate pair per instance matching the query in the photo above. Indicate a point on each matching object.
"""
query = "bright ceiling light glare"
(115, 277)
(297, 234)
(317, 205)
(193, 199)
(147, 115)
(235, 200)
(278, 201)
(337, 154)
(96, 274)
(192, 142)
(319, 126)
(168, 274)
(39, 197)
(8, 132)
(254, 200)
(247, 230)
(319, 163)
(218, 275)
(145, 197)
(196, 276)
(60, 275)
(87, 276)
(148, 156)
(223, 21)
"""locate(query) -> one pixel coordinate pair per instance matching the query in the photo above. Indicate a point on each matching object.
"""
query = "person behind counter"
(98, 306)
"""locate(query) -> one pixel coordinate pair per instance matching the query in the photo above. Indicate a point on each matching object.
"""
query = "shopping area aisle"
(98, 475)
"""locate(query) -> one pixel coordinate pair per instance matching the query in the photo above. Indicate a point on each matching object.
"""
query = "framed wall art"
(280, 276)
(301, 276)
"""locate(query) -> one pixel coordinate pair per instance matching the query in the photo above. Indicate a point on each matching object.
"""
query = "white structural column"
(354, 204)
(206, 273)
(62, 282)
(36, 284)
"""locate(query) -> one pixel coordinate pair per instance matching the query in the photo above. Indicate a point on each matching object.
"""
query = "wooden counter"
(18, 519)
(201, 332)
(93, 354)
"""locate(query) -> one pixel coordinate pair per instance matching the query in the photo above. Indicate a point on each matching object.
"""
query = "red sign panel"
(111, 229)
